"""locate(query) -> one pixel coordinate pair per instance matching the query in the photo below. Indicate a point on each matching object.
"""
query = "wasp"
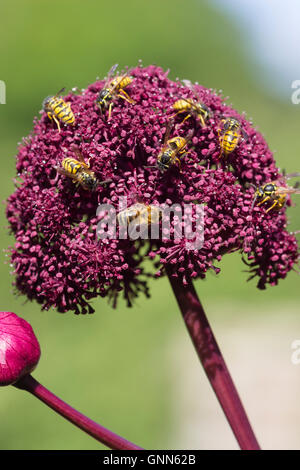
(140, 216)
(275, 193)
(230, 135)
(194, 108)
(58, 110)
(114, 87)
(79, 171)
(172, 149)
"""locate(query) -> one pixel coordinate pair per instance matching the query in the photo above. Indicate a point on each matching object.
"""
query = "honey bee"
(275, 193)
(58, 110)
(172, 149)
(114, 87)
(79, 172)
(230, 135)
(194, 108)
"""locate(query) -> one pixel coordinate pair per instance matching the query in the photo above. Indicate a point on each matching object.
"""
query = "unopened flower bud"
(19, 348)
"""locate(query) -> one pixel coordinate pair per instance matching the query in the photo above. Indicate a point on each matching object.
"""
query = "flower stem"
(111, 440)
(212, 360)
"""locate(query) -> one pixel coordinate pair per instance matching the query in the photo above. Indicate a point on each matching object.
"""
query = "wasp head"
(269, 188)
(46, 102)
(89, 181)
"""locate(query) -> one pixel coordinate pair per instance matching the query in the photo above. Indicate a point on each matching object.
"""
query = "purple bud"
(19, 349)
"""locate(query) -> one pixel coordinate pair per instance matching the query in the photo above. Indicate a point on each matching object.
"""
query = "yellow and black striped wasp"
(275, 192)
(58, 110)
(79, 171)
(172, 149)
(193, 108)
(138, 218)
(139, 213)
(114, 87)
(230, 135)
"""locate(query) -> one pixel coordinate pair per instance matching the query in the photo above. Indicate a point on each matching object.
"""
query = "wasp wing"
(63, 172)
(118, 81)
(187, 139)
(192, 87)
(290, 175)
(287, 190)
(245, 135)
(189, 101)
(77, 152)
(287, 176)
(60, 91)
(189, 136)
(167, 133)
(176, 149)
(79, 155)
(110, 75)
(112, 71)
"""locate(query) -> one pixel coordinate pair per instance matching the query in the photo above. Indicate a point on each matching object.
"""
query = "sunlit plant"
(61, 261)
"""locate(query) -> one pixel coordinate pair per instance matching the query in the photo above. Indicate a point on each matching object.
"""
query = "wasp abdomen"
(121, 82)
(182, 104)
(229, 141)
(71, 165)
(58, 110)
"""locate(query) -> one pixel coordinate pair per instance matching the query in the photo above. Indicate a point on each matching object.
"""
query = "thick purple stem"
(111, 440)
(213, 362)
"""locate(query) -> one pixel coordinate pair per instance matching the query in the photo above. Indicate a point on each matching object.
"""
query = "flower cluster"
(57, 258)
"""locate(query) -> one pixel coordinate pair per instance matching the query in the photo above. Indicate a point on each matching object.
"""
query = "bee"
(275, 193)
(58, 110)
(79, 172)
(140, 216)
(172, 149)
(194, 108)
(114, 87)
(230, 135)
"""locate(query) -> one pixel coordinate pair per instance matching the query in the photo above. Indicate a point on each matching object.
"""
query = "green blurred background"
(134, 370)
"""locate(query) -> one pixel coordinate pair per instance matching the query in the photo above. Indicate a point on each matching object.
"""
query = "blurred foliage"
(114, 365)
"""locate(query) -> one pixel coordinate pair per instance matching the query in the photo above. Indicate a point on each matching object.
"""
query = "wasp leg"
(177, 160)
(201, 120)
(109, 110)
(179, 112)
(186, 117)
(185, 153)
(57, 122)
(264, 200)
(272, 207)
(100, 107)
(126, 97)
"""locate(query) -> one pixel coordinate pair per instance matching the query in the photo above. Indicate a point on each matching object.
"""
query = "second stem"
(213, 362)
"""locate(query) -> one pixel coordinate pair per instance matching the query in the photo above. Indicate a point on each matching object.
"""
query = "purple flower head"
(59, 260)
(19, 348)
